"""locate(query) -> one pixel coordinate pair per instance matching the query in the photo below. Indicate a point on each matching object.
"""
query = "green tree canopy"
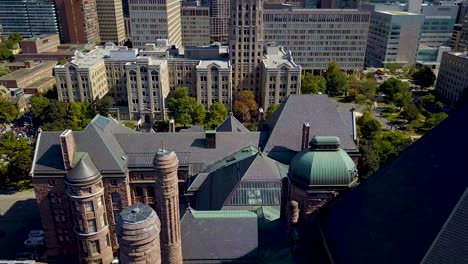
(423, 76)
(271, 109)
(435, 119)
(403, 98)
(8, 111)
(245, 106)
(392, 86)
(218, 112)
(410, 112)
(15, 37)
(184, 109)
(337, 82)
(368, 126)
(4, 71)
(18, 154)
(311, 84)
(103, 105)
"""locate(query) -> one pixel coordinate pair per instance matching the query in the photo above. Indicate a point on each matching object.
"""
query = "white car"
(34, 242)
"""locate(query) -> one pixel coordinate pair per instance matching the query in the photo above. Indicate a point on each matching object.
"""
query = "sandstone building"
(195, 25)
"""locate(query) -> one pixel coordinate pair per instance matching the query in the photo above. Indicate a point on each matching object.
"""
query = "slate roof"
(84, 171)
(219, 237)
(396, 214)
(231, 124)
(286, 125)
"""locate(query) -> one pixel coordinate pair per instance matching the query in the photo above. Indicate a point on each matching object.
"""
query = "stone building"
(111, 21)
(35, 78)
(452, 79)
(195, 25)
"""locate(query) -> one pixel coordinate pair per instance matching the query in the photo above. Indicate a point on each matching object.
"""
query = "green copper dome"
(323, 164)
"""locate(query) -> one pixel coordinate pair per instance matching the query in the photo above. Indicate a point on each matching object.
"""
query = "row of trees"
(334, 82)
(17, 155)
(7, 44)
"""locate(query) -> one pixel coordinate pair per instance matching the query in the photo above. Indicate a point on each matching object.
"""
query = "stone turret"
(138, 230)
(167, 201)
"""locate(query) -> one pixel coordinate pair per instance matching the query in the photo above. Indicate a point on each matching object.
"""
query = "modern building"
(34, 78)
(462, 12)
(452, 80)
(195, 25)
(28, 17)
(111, 21)
(219, 21)
(394, 37)
(456, 37)
(318, 36)
(281, 76)
(78, 21)
(464, 36)
(246, 40)
(152, 20)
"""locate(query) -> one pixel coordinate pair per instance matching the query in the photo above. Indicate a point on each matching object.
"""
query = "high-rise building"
(464, 36)
(28, 17)
(246, 38)
(219, 20)
(318, 36)
(195, 23)
(452, 80)
(78, 21)
(152, 20)
(111, 23)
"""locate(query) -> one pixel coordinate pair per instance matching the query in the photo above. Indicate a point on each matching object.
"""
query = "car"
(36, 233)
(34, 242)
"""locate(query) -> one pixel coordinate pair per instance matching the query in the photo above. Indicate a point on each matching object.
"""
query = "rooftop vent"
(325, 143)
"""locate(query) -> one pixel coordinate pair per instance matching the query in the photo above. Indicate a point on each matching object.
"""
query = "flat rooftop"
(460, 54)
(398, 13)
(25, 71)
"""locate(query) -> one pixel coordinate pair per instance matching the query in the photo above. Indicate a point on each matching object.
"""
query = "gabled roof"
(219, 237)
(286, 125)
(231, 124)
(396, 214)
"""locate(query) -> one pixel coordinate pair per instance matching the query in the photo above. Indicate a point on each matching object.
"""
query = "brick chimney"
(305, 136)
(28, 64)
(210, 139)
(67, 144)
(353, 119)
(172, 125)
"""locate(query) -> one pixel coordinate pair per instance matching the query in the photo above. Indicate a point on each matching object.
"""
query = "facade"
(456, 37)
(78, 21)
(29, 18)
(219, 21)
(111, 23)
(452, 80)
(213, 79)
(281, 76)
(40, 43)
(393, 38)
(246, 40)
(464, 36)
(152, 20)
(317, 37)
(36, 77)
(195, 25)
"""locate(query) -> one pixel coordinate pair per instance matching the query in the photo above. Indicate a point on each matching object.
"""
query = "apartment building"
(219, 21)
(281, 76)
(195, 23)
(452, 80)
(318, 36)
(151, 20)
(246, 40)
(111, 21)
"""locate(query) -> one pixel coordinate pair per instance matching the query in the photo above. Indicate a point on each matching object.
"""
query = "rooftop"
(26, 71)
(91, 58)
(398, 13)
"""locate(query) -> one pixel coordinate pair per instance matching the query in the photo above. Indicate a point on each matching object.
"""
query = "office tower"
(219, 22)
(462, 12)
(393, 38)
(317, 36)
(28, 17)
(246, 44)
(111, 23)
(464, 36)
(195, 23)
(78, 21)
(152, 20)
(452, 79)
(167, 199)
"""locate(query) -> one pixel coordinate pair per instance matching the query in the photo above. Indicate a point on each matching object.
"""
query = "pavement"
(18, 215)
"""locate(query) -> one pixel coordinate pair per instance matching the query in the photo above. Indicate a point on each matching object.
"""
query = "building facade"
(213, 81)
(111, 23)
(29, 18)
(219, 21)
(195, 23)
(34, 75)
(452, 80)
(464, 36)
(152, 20)
(317, 37)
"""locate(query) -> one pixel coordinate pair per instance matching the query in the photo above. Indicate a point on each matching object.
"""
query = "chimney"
(172, 126)
(353, 119)
(28, 64)
(210, 139)
(67, 144)
(305, 136)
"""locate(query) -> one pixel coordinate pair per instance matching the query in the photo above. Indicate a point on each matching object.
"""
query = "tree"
(56, 111)
(369, 88)
(218, 113)
(103, 105)
(311, 84)
(393, 67)
(15, 37)
(184, 109)
(337, 83)
(435, 119)
(5, 53)
(402, 98)
(18, 154)
(271, 109)
(4, 71)
(392, 86)
(410, 112)
(245, 106)
(368, 126)
(8, 111)
(426, 102)
(369, 160)
(390, 144)
(199, 114)
(423, 76)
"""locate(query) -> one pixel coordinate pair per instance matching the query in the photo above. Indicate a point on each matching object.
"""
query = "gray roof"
(84, 171)
(397, 213)
(193, 128)
(219, 237)
(286, 125)
(231, 124)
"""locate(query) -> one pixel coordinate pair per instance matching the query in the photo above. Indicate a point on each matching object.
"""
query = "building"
(34, 78)
(464, 36)
(452, 80)
(219, 21)
(246, 40)
(318, 36)
(195, 25)
(28, 17)
(153, 20)
(456, 37)
(393, 38)
(43, 47)
(78, 21)
(462, 12)
(111, 23)
(281, 76)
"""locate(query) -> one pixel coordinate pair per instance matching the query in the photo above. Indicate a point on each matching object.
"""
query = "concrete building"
(246, 40)
(111, 23)
(318, 36)
(152, 20)
(34, 78)
(219, 21)
(464, 36)
(456, 37)
(29, 18)
(195, 23)
(393, 38)
(214, 82)
(43, 47)
(281, 76)
(452, 80)
(78, 21)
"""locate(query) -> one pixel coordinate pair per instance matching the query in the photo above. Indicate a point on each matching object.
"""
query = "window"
(115, 197)
(95, 246)
(92, 226)
(114, 182)
(89, 206)
(80, 224)
(107, 241)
